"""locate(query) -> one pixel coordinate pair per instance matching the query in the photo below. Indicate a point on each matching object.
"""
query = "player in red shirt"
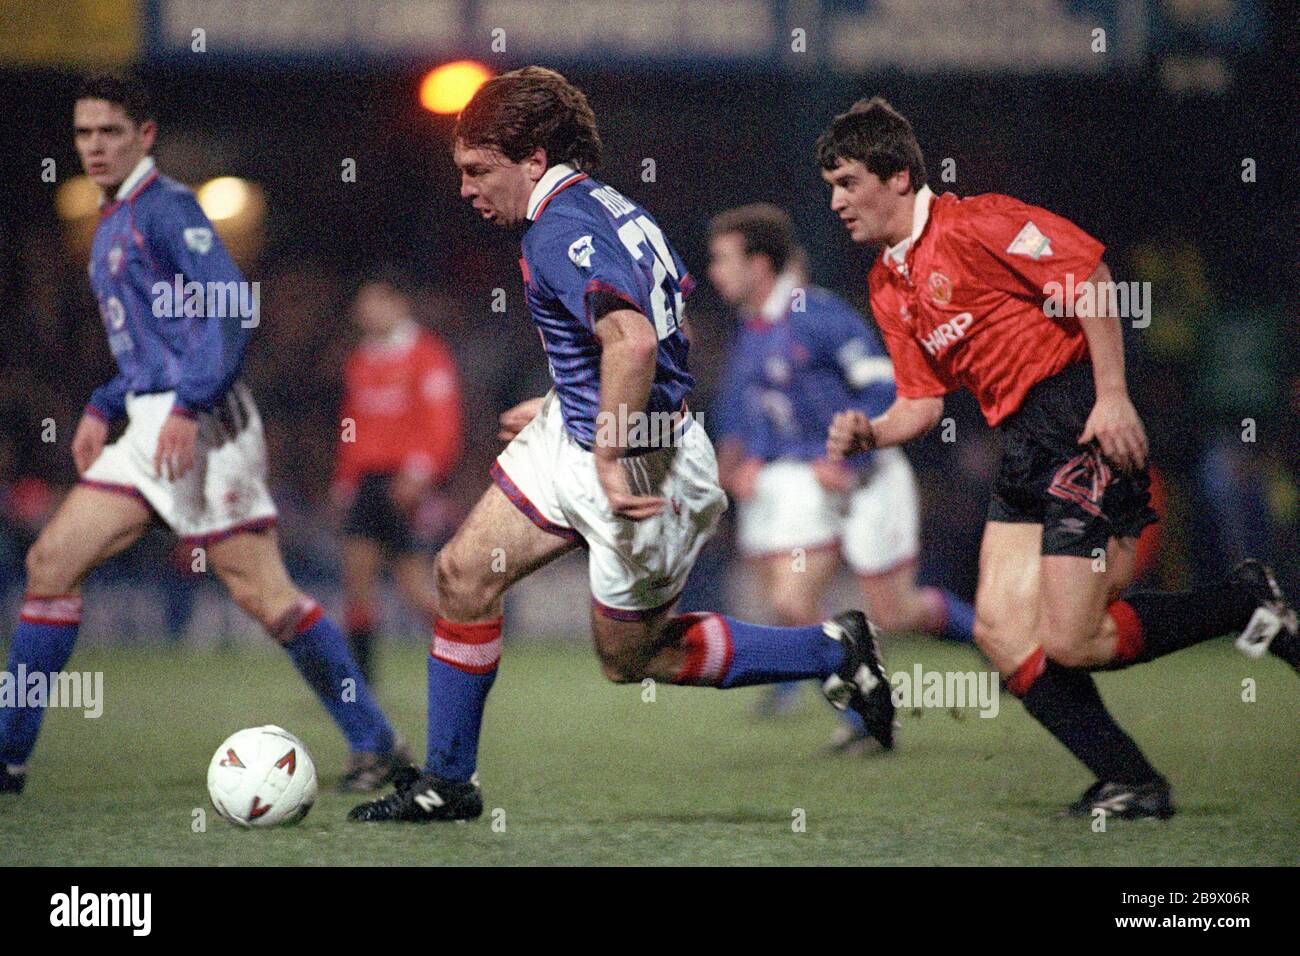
(1008, 300)
(400, 440)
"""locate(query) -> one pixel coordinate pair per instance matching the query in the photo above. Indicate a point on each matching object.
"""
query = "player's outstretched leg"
(1248, 602)
(90, 526)
(712, 650)
(495, 547)
(1037, 620)
(250, 566)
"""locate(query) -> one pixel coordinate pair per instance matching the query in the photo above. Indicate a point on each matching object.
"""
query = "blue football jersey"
(789, 372)
(175, 306)
(586, 242)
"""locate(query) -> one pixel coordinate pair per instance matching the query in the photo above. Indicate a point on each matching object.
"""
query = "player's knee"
(46, 569)
(462, 591)
(619, 662)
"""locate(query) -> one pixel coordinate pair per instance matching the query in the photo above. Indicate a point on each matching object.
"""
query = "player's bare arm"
(1114, 422)
(908, 418)
(627, 368)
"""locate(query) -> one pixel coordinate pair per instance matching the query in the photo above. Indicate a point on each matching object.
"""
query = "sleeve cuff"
(182, 410)
(94, 411)
(603, 298)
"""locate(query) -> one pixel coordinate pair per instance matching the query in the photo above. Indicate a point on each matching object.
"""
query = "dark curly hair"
(878, 136)
(516, 112)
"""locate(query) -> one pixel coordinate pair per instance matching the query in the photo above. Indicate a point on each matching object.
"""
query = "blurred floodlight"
(224, 197)
(77, 198)
(448, 88)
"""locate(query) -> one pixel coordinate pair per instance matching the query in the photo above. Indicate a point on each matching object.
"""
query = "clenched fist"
(850, 432)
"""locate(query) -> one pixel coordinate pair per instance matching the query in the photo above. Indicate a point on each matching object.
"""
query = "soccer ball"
(262, 777)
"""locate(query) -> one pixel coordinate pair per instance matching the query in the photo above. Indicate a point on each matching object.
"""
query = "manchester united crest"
(940, 288)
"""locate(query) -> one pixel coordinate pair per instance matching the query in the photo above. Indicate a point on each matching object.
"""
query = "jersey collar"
(897, 254)
(778, 300)
(399, 340)
(140, 177)
(554, 180)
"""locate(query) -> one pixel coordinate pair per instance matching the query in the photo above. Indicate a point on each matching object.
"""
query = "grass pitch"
(577, 771)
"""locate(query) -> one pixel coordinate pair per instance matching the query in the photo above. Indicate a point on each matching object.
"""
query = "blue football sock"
(456, 702)
(462, 667)
(959, 624)
(320, 652)
(725, 652)
(43, 642)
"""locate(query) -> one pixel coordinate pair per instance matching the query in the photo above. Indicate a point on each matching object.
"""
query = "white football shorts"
(876, 526)
(635, 567)
(224, 493)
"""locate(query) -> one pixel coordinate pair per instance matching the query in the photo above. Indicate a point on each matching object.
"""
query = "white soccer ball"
(262, 777)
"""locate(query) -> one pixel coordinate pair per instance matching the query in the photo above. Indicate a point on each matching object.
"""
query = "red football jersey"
(965, 308)
(403, 397)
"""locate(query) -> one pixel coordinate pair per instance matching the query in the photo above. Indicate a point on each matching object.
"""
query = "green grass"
(586, 773)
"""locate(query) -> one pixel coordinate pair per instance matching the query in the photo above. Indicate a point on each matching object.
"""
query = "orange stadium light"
(446, 89)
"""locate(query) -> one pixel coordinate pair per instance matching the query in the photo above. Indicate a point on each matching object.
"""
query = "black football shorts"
(1047, 478)
(374, 516)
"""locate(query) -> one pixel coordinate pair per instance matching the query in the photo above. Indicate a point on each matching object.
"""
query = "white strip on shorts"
(634, 566)
(876, 525)
(224, 493)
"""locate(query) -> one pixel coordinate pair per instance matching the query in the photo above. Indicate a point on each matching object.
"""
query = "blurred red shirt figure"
(400, 438)
(401, 409)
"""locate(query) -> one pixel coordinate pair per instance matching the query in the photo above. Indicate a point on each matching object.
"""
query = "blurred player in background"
(192, 454)
(964, 294)
(801, 355)
(589, 464)
(401, 440)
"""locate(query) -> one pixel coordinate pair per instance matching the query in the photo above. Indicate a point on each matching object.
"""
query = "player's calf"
(1248, 602)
